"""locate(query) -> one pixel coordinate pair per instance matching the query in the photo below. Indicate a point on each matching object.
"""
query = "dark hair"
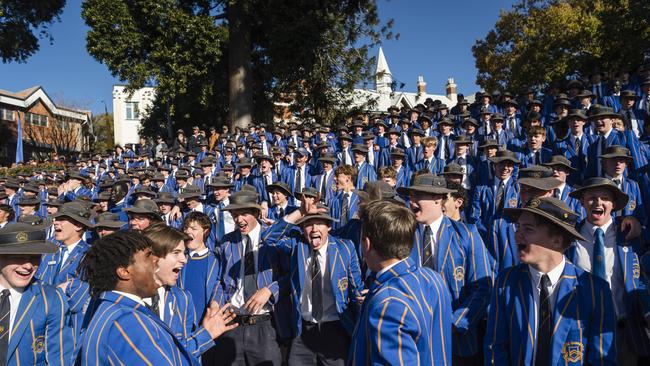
(9, 210)
(199, 217)
(163, 238)
(390, 228)
(99, 265)
(460, 193)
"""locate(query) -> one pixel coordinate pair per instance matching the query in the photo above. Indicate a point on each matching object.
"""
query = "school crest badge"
(459, 273)
(343, 284)
(512, 202)
(632, 205)
(572, 351)
(38, 345)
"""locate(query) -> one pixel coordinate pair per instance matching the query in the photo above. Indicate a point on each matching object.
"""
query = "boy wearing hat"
(457, 252)
(546, 310)
(445, 139)
(70, 223)
(298, 176)
(615, 161)
(244, 176)
(633, 118)
(512, 118)
(265, 176)
(485, 170)
(502, 191)
(33, 328)
(344, 154)
(324, 182)
(365, 171)
(534, 152)
(402, 171)
(280, 193)
(464, 160)
(142, 214)
(223, 222)
(603, 251)
(345, 204)
(497, 133)
(406, 316)
(325, 284)
(562, 170)
(575, 146)
(247, 280)
(6, 215)
(429, 159)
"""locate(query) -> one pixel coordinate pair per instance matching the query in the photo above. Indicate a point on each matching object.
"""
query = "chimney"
(450, 89)
(421, 85)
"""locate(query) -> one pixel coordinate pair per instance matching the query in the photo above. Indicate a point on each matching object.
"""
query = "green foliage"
(29, 169)
(538, 42)
(103, 130)
(19, 20)
(312, 52)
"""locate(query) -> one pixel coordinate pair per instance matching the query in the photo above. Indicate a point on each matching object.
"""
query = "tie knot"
(427, 230)
(4, 294)
(600, 232)
(346, 195)
(545, 281)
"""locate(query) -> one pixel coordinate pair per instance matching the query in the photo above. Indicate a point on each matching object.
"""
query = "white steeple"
(383, 77)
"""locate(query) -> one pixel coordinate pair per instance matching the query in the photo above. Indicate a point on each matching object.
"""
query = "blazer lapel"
(26, 308)
(527, 306)
(332, 259)
(443, 244)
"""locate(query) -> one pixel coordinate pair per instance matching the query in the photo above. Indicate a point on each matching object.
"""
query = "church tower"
(383, 77)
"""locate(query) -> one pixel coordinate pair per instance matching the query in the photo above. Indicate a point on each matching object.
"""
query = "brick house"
(48, 129)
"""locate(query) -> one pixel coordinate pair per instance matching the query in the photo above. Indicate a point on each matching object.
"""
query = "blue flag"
(19, 141)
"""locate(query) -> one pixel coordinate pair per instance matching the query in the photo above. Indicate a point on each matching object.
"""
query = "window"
(132, 110)
(36, 119)
(7, 114)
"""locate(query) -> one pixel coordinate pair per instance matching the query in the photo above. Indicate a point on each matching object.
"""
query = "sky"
(435, 41)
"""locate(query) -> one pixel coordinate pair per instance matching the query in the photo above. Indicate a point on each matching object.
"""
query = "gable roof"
(27, 97)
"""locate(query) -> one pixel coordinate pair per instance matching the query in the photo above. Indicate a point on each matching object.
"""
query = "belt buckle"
(252, 320)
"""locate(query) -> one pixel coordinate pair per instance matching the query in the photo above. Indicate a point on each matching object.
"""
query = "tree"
(103, 129)
(214, 61)
(19, 20)
(542, 41)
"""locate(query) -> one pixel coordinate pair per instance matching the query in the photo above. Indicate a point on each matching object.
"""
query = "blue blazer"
(123, 332)
(229, 258)
(181, 318)
(274, 211)
(583, 320)
(289, 177)
(437, 165)
(40, 333)
(466, 270)
(636, 298)
(404, 177)
(330, 187)
(567, 148)
(524, 155)
(260, 186)
(47, 271)
(484, 201)
(337, 204)
(635, 206)
(345, 279)
(211, 278)
(405, 320)
(413, 155)
(365, 174)
(627, 139)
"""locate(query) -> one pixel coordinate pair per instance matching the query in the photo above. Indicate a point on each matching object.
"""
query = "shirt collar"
(388, 267)
(133, 297)
(553, 275)
(592, 227)
(200, 253)
(255, 235)
(71, 247)
(435, 226)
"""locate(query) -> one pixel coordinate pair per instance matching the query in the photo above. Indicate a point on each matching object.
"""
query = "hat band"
(22, 237)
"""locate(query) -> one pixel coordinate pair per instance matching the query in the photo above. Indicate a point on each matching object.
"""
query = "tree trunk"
(240, 81)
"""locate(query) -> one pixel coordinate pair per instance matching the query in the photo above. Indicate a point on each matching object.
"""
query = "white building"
(128, 110)
(385, 96)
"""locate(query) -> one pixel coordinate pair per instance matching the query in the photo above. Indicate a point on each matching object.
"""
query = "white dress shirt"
(613, 271)
(229, 222)
(133, 297)
(238, 300)
(69, 250)
(14, 302)
(329, 304)
(435, 231)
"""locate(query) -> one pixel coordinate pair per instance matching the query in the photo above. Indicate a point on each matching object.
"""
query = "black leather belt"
(251, 319)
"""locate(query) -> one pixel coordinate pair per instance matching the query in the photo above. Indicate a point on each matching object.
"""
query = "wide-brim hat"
(316, 216)
(397, 152)
(76, 175)
(446, 121)
(505, 155)
(243, 200)
(620, 197)
(28, 201)
(165, 197)
(551, 209)
(308, 192)
(453, 169)
(144, 207)
(489, 143)
(616, 151)
(245, 163)
(462, 139)
(602, 111)
(259, 157)
(427, 183)
(360, 148)
(282, 186)
(190, 192)
(221, 182)
(560, 160)
(109, 220)
(75, 211)
(585, 94)
(631, 94)
(469, 120)
(22, 238)
(328, 158)
(538, 177)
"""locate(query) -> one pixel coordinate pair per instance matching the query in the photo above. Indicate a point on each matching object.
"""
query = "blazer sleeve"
(478, 282)
(200, 340)
(59, 337)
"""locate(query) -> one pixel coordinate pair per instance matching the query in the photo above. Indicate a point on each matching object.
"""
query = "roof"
(27, 97)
